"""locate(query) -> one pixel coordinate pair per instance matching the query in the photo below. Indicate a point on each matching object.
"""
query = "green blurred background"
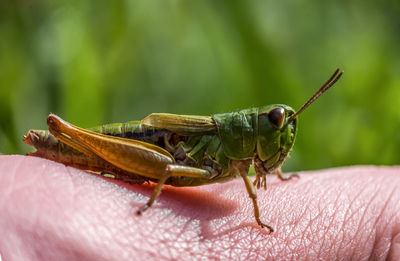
(94, 62)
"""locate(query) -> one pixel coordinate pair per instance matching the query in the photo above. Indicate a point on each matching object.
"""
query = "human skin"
(52, 212)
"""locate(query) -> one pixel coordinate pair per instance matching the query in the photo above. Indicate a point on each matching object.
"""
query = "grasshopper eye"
(277, 117)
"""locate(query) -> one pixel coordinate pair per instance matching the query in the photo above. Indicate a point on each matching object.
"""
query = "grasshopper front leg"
(130, 155)
(251, 190)
(280, 175)
(242, 166)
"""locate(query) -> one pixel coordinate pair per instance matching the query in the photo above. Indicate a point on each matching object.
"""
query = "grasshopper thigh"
(185, 171)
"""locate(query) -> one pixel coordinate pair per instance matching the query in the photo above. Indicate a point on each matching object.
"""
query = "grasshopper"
(180, 150)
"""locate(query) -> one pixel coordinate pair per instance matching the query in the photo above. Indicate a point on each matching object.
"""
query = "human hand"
(52, 212)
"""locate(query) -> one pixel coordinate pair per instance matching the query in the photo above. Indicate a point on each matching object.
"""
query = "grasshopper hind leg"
(174, 171)
(154, 196)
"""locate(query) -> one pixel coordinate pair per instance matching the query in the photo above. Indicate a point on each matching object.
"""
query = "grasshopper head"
(276, 134)
(277, 127)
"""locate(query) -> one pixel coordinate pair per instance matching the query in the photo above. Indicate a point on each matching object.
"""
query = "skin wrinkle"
(16, 185)
(180, 241)
(313, 245)
(239, 242)
(253, 238)
(311, 219)
(71, 180)
(124, 244)
(256, 254)
(303, 231)
(280, 247)
(189, 248)
(394, 241)
(184, 228)
(247, 251)
(26, 181)
(107, 191)
(21, 186)
(374, 254)
(9, 188)
(61, 202)
(337, 202)
(191, 222)
(296, 223)
(277, 197)
(328, 238)
(394, 233)
(53, 246)
(388, 200)
(229, 254)
(155, 228)
(93, 230)
(350, 214)
(170, 250)
(362, 219)
(331, 220)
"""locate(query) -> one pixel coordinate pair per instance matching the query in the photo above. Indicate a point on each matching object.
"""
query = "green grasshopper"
(180, 150)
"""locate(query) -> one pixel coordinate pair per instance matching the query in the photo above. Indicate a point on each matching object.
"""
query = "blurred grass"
(93, 62)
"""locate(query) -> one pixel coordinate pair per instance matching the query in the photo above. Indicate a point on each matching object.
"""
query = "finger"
(49, 211)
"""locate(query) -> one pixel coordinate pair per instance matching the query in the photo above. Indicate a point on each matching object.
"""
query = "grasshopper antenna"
(334, 78)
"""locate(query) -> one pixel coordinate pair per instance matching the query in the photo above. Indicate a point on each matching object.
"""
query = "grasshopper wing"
(181, 124)
(130, 155)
